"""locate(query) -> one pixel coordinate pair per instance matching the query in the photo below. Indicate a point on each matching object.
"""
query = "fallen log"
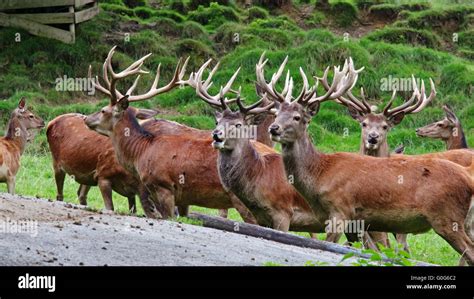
(278, 236)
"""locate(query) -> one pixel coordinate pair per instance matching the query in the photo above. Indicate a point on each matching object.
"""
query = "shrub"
(344, 13)
(281, 22)
(272, 4)
(134, 3)
(320, 35)
(194, 4)
(464, 78)
(164, 13)
(447, 19)
(466, 39)
(193, 30)
(118, 9)
(165, 26)
(214, 15)
(179, 6)
(399, 35)
(257, 13)
(196, 49)
(225, 36)
(143, 12)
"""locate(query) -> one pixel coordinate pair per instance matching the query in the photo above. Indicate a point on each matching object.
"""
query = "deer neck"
(234, 163)
(303, 166)
(17, 133)
(382, 151)
(456, 141)
(262, 131)
(130, 140)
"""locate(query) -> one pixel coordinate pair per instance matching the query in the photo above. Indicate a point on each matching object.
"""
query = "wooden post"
(72, 26)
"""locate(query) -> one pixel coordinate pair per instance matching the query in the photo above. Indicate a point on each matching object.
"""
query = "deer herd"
(171, 166)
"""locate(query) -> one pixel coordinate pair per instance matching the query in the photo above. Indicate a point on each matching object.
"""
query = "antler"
(202, 87)
(135, 68)
(361, 105)
(269, 88)
(415, 104)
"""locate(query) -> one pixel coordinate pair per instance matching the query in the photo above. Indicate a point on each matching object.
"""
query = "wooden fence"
(38, 22)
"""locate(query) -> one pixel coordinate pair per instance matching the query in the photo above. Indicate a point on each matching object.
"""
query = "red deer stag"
(75, 151)
(13, 144)
(177, 168)
(448, 129)
(398, 194)
(376, 126)
(256, 177)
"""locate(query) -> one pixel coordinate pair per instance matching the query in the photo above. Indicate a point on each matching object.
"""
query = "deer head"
(375, 126)
(293, 115)
(25, 118)
(230, 126)
(104, 120)
(443, 129)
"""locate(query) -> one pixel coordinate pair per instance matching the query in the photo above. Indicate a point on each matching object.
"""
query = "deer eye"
(440, 125)
(364, 125)
(238, 125)
(102, 111)
(297, 118)
(385, 127)
(30, 116)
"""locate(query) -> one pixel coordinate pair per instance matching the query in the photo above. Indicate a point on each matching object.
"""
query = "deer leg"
(183, 211)
(242, 209)
(402, 239)
(333, 237)
(11, 184)
(132, 205)
(59, 177)
(105, 187)
(147, 203)
(165, 202)
(82, 194)
(380, 237)
(313, 235)
(223, 213)
(281, 222)
(459, 240)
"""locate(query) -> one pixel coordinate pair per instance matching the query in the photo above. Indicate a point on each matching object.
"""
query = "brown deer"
(376, 126)
(448, 129)
(13, 144)
(90, 159)
(398, 194)
(174, 168)
(256, 177)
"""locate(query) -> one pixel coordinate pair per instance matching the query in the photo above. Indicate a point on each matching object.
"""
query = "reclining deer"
(376, 126)
(448, 130)
(175, 168)
(398, 194)
(13, 144)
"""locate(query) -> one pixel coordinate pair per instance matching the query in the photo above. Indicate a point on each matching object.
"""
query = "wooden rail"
(40, 23)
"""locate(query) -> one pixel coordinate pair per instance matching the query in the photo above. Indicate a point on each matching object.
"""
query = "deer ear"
(218, 115)
(313, 109)
(355, 114)
(450, 114)
(397, 118)
(146, 113)
(123, 103)
(22, 103)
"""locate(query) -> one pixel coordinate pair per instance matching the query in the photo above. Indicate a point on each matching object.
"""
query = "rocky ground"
(70, 235)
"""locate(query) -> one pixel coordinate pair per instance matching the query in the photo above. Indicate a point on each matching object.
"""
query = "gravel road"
(66, 234)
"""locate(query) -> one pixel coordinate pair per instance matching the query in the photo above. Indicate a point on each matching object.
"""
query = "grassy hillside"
(389, 38)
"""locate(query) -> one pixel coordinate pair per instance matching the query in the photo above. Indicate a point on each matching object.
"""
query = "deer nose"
(373, 135)
(274, 129)
(216, 135)
(417, 130)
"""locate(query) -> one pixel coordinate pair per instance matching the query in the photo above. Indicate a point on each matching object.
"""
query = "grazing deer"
(398, 194)
(448, 129)
(376, 126)
(175, 168)
(13, 144)
(75, 151)
(256, 177)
